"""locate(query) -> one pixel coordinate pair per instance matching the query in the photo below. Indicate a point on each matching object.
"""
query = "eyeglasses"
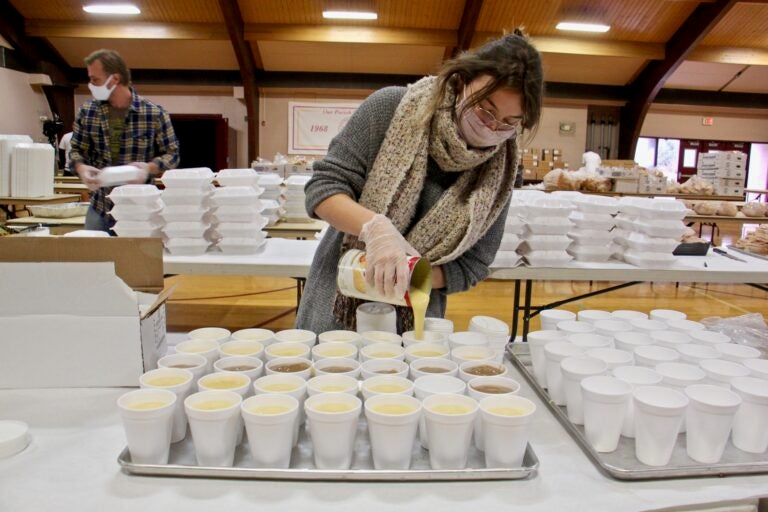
(491, 122)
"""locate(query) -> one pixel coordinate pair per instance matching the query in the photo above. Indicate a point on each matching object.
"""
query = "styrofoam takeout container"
(223, 196)
(135, 194)
(186, 246)
(237, 178)
(196, 177)
(546, 243)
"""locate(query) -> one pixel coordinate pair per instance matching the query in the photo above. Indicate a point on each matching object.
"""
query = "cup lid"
(14, 437)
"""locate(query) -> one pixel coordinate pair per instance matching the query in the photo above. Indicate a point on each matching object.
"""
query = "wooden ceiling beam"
(236, 28)
(467, 26)
(578, 46)
(730, 55)
(123, 30)
(349, 34)
(645, 88)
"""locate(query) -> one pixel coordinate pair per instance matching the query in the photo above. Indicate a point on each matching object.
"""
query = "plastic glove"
(89, 176)
(387, 254)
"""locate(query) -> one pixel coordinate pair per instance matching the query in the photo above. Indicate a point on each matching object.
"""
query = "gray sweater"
(344, 170)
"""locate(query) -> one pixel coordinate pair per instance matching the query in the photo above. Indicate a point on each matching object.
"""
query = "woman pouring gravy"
(424, 171)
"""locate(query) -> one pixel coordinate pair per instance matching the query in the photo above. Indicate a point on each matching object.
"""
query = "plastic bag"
(749, 329)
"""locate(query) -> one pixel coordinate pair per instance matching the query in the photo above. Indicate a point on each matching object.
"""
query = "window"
(668, 154)
(645, 154)
(689, 157)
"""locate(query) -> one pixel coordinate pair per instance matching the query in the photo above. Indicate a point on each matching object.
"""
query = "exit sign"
(707, 121)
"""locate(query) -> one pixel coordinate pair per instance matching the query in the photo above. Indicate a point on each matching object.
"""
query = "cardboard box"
(732, 173)
(726, 187)
(625, 185)
(80, 312)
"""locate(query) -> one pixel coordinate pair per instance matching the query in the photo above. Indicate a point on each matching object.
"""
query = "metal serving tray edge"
(622, 464)
(182, 463)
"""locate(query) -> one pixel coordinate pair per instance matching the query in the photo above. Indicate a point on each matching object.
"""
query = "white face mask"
(474, 132)
(102, 92)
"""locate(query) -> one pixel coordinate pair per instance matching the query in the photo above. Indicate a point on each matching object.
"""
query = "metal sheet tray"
(182, 462)
(622, 463)
(743, 251)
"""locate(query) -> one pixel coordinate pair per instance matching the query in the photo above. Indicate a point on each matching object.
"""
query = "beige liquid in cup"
(240, 368)
(386, 371)
(492, 389)
(394, 409)
(213, 405)
(224, 382)
(427, 353)
(382, 355)
(337, 369)
(330, 388)
(451, 409)
(280, 387)
(166, 381)
(379, 337)
(433, 369)
(195, 349)
(333, 407)
(290, 368)
(268, 410)
(182, 366)
(286, 351)
(387, 388)
(146, 406)
(241, 351)
(473, 356)
(336, 352)
(484, 370)
(507, 411)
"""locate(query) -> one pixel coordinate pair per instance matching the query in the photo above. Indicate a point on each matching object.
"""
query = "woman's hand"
(387, 254)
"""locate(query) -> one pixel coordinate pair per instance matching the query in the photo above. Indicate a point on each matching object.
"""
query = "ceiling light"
(111, 9)
(583, 27)
(350, 15)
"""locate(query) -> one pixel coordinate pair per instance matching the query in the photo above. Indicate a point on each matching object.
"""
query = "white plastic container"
(648, 326)
(750, 425)
(546, 242)
(537, 340)
(629, 341)
(240, 245)
(514, 225)
(509, 242)
(548, 225)
(552, 259)
(554, 354)
(658, 414)
(629, 315)
(736, 352)
(634, 376)
(574, 370)
(135, 194)
(642, 243)
(242, 229)
(551, 317)
(665, 315)
(596, 204)
(183, 213)
(133, 212)
(591, 237)
(652, 355)
(598, 221)
(186, 246)
(661, 227)
(296, 183)
(137, 228)
(238, 213)
(721, 373)
(590, 252)
(197, 177)
(185, 229)
(224, 196)
(649, 259)
(709, 418)
(119, 174)
(662, 209)
(694, 353)
(237, 178)
(187, 196)
(685, 325)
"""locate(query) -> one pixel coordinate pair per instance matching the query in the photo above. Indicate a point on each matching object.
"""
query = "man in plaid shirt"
(118, 127)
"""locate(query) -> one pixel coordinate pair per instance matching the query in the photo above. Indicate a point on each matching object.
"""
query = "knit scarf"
(464, 212)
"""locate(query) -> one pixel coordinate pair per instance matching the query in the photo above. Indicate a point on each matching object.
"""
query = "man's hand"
(89, 175)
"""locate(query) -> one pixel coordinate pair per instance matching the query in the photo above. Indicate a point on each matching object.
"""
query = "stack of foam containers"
(187, 202)
(136, 210)
(237, 219)
(271, 197)
(649, 230)
(7, 143)
(294, 205)
(593, 223)
(507, 256)
(32, 169)
(545, 237)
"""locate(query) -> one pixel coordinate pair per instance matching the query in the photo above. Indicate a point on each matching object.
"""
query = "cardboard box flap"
(137, 261)
(149, 302)
(82, 289)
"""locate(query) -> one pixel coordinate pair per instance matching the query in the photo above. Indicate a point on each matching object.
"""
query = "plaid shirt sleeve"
(148, 137)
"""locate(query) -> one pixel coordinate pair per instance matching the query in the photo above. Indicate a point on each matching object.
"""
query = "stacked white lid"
(507, 255)
(546, 226)
(593, 221)
(272, 184)
(649, 230)
(136, 210)
(294, 208)
(237, 218)
(32, 169)
(497, 332)
(7, 143)
(187, 202)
